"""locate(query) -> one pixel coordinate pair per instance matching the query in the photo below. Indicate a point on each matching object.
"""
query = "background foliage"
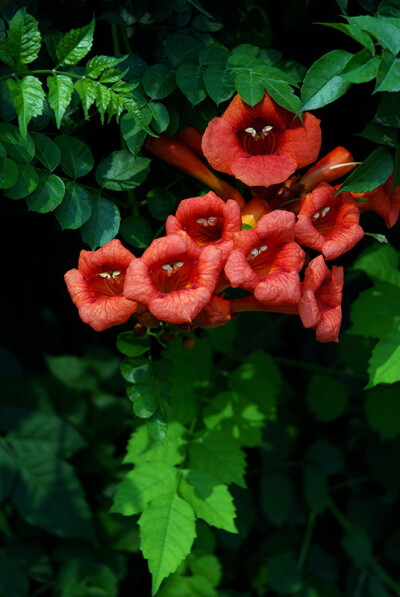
(278, 469)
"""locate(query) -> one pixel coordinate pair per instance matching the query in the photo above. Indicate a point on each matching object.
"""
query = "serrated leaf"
(374, 171)
(103, 224)
(26, 184)
(20, 149)
(382, 409)
(27, 95)
(250, 87)
(209, 498)
(133, 135)
(189, 78)
(383, 30)
(9, 173)
(143, 448)
(48, 194)
(167, 532)
(158, 81)
(141, 485)
(24, 39)
(49, 495)
(87, 91)
(112, 75)
(122, 171)
(137, 231)
(61, 89)
(220, 455)
(76, 157)
(74, 45)
(276, 497)
(96, 65)
(283, 94)
(322, 85)
(388, 75)
(75, 208)
(102, 100)
(219, 83)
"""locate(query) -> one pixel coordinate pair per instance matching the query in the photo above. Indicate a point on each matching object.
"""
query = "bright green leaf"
(384, 364)
(160, 120)
(96, 65)
(74, 45)
(87, 91)
(361, 68)
(103, 95)
(121, 171)
(75, 208)
(374, 171)
(48, 194)
(27, 95)
(76, 157)
(103, 224)
(26, 184)
(380, 263)
(24, 39)
(61, 89)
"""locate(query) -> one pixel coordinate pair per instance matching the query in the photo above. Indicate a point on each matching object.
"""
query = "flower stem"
(305, 546)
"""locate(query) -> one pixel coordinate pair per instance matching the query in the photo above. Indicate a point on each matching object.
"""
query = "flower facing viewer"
(261, 145)
(174, 278)
(96, 286)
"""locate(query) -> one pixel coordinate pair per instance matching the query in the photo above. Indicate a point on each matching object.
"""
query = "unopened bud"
(139, 330)
(188, 343)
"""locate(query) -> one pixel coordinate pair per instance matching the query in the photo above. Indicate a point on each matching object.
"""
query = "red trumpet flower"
(328, 224)
(266, 260)
(261, 145)
(96, 286)
(174, 278)
(176, 153)
(320, 304)
(332, 166)
(208, 221)
(382, 201)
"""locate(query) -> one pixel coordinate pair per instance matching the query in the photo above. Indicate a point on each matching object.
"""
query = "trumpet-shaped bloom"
(328, 224)
(261, 145)
(382, 201)
(208, 221)
(320, 304)
(174, 278)
(266, 260)
(96, 286)
(332, 166)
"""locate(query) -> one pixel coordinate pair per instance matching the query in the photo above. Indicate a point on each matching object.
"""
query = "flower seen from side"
(382, 201)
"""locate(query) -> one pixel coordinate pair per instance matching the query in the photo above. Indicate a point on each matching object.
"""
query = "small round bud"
(188, 343)
(139, 330)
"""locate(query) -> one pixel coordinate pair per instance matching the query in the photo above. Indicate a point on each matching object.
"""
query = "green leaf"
(188, 586)
(383, 30)
(142, 485)
(315, 488)
(87, 91)
(327, 457)
(76, 157)
(276, 497)
(133, 369)
(376, 312)
(167, 532)
(9, 173)
(361, 68)
(133, 135)
(161, 203)
(358, 545)
(284, 575)
(20, 149)
(61, 89)
(250, 87)
(219, 83)
(237, 416)
(380, 263)
(326, 398)
(382, 135)
(96, 65)
(103, 224)
(13, 580)
(48, 194)
(209, 498)
(145, 395)
(374, 171)
(112, 75)
(143, 448)
(103, 96)
(122, 171)
(388, 76)
(213, 56)
(182, 48)
(217, 453)
(283, 94)
(26, 184)
(382, 409)
(355, 33)
(74, 45)
(49, 495)
(322, 85)
(46, 150)
(189, 78)
(27, 95)
(8, 471)
(388, 112)
(24, 38)
(136, 231)
(205, 565)
(158, 81)
(160, 120)
(75, 208)
(384, 364)
(132, 346)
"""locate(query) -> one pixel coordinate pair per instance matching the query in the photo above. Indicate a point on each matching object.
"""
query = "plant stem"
(316, 368)
(125, 41)
(115, 38)
(305, 547)
(44, 71)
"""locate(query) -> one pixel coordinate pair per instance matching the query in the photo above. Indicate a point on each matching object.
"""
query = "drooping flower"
(175, 152)
(216, 313)
(174, 278)
(96, 286)
(191, 136)
(382, 201)
(332, 166)
(208, 221)
(266, 260)
(261, 145)
(327, 224)
(254, 210)
(320, 304)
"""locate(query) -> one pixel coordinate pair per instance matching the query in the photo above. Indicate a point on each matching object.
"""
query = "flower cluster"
(220, 241)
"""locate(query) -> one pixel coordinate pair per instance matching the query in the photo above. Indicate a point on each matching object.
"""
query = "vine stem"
(43, 71)
(305, 547)
(115, 38)
(376, 567)
(316, 368)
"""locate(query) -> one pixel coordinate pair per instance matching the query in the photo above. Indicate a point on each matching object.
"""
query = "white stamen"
(115, 274)
(263, 248)
(202, 221)
(167, 268)
(251, 131)
(316, 216)
(212, 220)
(254, 252)
(266, 130)
(104, 275)
(171, 268)
(178, 264)
(325, 211)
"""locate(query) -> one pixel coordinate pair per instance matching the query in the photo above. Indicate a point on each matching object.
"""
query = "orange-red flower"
(266, 260)
(254, 210)
(261, 145)
(208, 221)
(320, 304)
(382, 201)
(174, 277)
(96, 286)
(332, 166)
(327, 224)
(215, 314)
